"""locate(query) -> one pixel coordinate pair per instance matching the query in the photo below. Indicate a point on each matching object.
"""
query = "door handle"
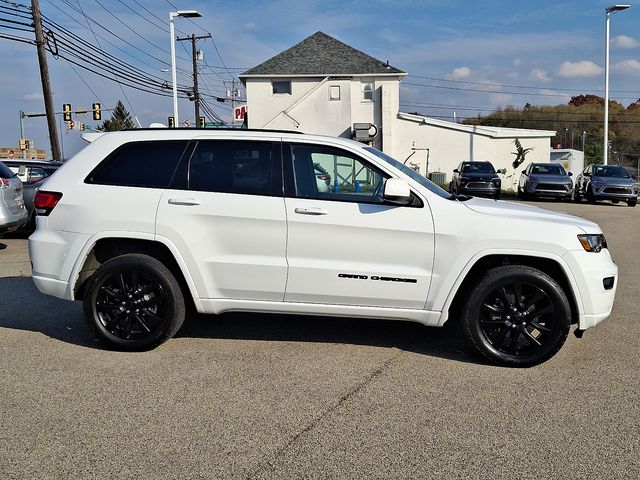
(183, 201)
(311, 211)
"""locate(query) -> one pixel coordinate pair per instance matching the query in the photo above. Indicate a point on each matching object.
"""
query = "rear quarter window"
(149, 164)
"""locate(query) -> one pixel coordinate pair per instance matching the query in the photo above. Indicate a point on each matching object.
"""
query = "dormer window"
(281, 86)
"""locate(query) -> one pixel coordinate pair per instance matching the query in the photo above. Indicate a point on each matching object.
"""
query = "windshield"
(477, 167)
(548, 169)
(425, 182)
(610, 171)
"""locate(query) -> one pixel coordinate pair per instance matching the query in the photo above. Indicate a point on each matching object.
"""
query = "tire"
(632, 203)
(133, 302)
(540, 317)
(522, 194)
(497, 196)
(589, 195)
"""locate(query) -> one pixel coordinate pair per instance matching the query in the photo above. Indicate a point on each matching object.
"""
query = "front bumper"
(594, 299)
(614, 193)
(548, 190)
(480, 190)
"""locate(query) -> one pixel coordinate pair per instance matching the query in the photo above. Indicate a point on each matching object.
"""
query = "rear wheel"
(516, 316)
(133, 302)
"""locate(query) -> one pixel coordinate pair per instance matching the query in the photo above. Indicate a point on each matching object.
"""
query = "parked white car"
(142, 222)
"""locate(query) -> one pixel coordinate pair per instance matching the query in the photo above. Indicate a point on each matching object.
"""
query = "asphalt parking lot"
(267, 396)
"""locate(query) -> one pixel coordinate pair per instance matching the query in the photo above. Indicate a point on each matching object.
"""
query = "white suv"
(141, 224)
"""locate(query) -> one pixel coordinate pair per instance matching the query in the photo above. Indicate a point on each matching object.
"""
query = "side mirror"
(586, 174)
(524, 172)
(455, 170)
(570, 174)
(397, 192)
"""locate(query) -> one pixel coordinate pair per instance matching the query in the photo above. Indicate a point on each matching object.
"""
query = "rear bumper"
(10, 223)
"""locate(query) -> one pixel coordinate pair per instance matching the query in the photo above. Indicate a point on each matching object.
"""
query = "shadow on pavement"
(3, 246)
(22, 307)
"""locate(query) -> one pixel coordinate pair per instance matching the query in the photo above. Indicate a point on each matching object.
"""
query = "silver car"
(13, 213)
(545, 180)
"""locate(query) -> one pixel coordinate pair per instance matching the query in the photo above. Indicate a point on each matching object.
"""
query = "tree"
(120, 120)
(520, 153)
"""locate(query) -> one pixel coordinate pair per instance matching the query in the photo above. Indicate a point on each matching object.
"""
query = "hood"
(555, 179)
(520, 211)
(623, 182)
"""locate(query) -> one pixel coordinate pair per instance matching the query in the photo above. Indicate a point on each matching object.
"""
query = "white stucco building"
(324, 86)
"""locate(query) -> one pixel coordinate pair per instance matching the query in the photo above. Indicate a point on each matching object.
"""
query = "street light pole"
(172, 15)
(608, 12)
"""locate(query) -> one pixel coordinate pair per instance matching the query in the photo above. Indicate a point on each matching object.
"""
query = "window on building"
(281, 86)
(334, 92)
(367, 91)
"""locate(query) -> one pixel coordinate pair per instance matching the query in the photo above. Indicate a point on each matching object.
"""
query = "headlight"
(496, 182)
(597, 183)
(464, 179)
(593, 243)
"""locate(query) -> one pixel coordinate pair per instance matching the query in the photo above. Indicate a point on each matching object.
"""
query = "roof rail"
(213, 129)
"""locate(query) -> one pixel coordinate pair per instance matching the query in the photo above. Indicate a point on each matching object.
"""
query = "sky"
(463, 57)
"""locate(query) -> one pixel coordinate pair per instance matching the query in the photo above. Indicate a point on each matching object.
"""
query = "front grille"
(553, 186)
(479, 185)
(617, 190)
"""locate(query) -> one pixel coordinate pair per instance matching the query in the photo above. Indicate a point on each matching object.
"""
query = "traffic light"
(171, 122)
(82, 124)
(200, 122)
(66, 109)
(23, 144)
(97, 114)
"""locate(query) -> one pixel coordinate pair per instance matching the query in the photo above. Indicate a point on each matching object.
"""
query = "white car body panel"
(239, 252)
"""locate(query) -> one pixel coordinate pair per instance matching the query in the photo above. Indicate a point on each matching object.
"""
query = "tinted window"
(5, 172)
(229, 166)
(330, 174)
(610, 171)
(478, 167)
(140, 164)
(548, 169)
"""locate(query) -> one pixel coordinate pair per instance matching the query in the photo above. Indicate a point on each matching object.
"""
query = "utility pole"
(194, 55)
(233, 96)
(44, 77)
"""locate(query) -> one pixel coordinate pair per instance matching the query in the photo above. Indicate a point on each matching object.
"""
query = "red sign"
(239, 113)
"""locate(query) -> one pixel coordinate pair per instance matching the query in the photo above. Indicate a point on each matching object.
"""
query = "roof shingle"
(321, 55)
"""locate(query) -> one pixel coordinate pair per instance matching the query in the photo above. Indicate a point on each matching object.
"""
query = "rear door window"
(140, 164)
(234, 166)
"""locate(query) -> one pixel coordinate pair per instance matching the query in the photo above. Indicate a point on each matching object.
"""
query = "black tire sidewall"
(492, 280)
(173, 300)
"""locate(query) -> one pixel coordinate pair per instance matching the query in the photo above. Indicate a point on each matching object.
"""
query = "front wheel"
(632, 203)
(516, 316)
(134, 302)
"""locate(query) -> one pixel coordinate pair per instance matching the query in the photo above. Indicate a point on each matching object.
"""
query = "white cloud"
(249, 26)
(540, 75)
(583, 68)
(459, 73)
(629, 67)
(517, 62)
(623, 41)
(32, 97)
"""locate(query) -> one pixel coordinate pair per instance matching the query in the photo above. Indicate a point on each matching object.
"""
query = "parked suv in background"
(32, 173)
(142, 223)
(476, 178)
(606, 182)
(545, 180)
(13, 214)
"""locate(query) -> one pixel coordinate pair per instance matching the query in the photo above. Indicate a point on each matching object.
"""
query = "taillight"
(46, 201)
(4, 183)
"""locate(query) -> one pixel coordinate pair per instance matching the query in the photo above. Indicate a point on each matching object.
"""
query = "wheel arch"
(101, 249)
(554, 267)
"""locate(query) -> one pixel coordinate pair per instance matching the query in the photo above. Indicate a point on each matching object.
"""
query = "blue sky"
(462, 56)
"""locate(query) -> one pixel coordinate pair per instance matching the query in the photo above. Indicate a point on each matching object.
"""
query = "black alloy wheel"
(134, 302)
(517, 316)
